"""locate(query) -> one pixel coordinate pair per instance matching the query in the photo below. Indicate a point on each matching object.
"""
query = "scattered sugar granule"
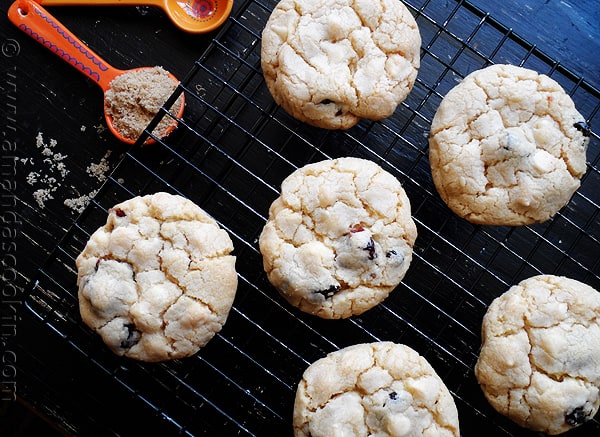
(100, 169)
(55, 171)
(83, 128)
(97, 170)
(55, 167)
(43, 194)
(46, 147)
(51, 180)
(32, 177)
(62, 168)
(78, 204)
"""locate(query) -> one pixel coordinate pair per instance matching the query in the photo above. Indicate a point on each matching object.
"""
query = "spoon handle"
(36, 22)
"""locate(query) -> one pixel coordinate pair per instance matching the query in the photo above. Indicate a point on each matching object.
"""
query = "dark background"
(53, 380)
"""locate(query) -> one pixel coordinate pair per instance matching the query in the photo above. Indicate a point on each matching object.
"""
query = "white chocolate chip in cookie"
(507, 147)
(540, 359)
(330, 63)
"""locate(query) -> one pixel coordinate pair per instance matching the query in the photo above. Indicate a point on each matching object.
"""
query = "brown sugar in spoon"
(35, 21)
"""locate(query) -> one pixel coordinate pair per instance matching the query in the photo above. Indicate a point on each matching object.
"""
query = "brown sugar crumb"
(78, 204)
(135, 97)
(50, 173)
(43, 194)
(99, 170)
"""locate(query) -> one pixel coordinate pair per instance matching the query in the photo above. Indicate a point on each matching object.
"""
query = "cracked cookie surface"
(540, 358)
(330, 63)
(507, 147)
(339, 237)
(157, 281)
(374, 389)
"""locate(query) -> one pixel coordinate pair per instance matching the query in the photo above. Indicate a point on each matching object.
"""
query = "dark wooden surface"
(566, 30)
(42, 94)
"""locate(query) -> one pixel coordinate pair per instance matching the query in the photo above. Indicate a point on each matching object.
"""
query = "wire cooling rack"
(229, 155)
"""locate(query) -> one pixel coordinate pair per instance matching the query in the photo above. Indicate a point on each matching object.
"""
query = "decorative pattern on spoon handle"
(60, 52)
(40, 25)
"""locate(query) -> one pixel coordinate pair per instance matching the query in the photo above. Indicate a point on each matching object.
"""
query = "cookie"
(373, 389)
(507, 147)
(330, 63)
(339, 237)
(540, 359)
(157, 281)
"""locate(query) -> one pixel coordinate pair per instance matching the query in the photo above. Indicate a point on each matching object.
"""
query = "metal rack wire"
(229, 155)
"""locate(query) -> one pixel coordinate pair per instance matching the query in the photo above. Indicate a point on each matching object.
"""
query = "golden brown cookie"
(540, 359)
(507, 147)
(374, 389)
(330, 63)
(157, 281)
(339, 238)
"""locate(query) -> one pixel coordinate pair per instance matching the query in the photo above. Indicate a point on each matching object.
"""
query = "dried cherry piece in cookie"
(394, 257)
(357, 228)
(329, 292)
(357, 241)
(370, 248)
(584, 128)
(133, 336)
(579, 415)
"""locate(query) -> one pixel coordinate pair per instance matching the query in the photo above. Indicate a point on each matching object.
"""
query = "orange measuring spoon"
(194, 16)
(35, 21)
